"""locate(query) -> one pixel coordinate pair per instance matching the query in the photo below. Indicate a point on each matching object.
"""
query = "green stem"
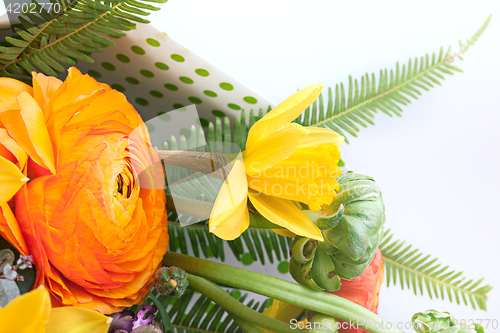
(234, 307)
(285, 291)
(245, 326)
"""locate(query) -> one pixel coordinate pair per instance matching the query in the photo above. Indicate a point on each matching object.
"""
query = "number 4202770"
(24, 8)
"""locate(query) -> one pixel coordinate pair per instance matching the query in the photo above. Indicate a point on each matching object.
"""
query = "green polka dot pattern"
(123, 58)
(156, 94)
(171, 87)
(234, 106)
(250, 100)
(226, 86)
(141, 101)
(202, 72)
(156, 74)
(177, 57)
(118, 87)
(94, 74)
(153, 42)
(146, 73)
(210, 93)
(131, 80)
(185, 79)
(218, 113)
(194, 100)
(161, 66)
(283, 267)
(247, 259)
(138, 50)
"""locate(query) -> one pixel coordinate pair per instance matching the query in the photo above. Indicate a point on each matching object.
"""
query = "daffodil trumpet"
(283, 166)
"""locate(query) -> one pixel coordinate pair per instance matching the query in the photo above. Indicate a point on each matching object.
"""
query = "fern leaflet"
(356, 107)
(410, 266)
(49, 40)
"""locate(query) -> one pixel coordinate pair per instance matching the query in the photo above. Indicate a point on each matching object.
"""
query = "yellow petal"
(229, 217)
(282, 311)
(44, 88)
(27, 126)
(77, 320)
(27, 313)
(273, 149)
(285, 233)
(284, 213)
(321, 136)
(9, 89)
(285, 112)
(11, 179)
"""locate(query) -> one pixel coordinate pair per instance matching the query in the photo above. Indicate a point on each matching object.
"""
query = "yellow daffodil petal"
(77, 320)
(284, 213)
(283, 311)
(273, 149)
(11, 179)
(44, 88)
(9, 89)
(27, 126)
(229, 217)
(27, 313)
(10, 230)
(321, 136)
(285, 112)
(284, 232)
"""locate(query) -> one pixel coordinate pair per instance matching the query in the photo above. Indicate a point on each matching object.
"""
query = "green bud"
(352, 228)
(433, 321)
(171, 281)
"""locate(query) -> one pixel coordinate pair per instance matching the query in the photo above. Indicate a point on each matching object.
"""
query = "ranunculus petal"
(27, 313)
(27, 127)
(44, 88)
(9, 229)
(77, 320)
(284, 113)
(11, 179)
(9, 89)
(273, 149)
(284, 213)
(229, 217)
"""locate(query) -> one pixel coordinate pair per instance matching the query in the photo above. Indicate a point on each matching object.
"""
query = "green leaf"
(51, 40)
(193, 312)
(412, 269)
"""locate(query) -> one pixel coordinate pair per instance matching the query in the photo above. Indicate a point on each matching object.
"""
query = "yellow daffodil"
(32, 313)
(284, 163)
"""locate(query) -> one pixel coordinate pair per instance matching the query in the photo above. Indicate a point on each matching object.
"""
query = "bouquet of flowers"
(105, 215)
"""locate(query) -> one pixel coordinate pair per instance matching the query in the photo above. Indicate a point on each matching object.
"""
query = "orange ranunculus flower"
(93, 214)
(364, 289)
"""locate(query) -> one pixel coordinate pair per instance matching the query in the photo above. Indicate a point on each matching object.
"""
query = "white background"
(438, 165)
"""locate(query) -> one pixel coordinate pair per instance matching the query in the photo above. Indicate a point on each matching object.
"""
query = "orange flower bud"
(364, 289)
(93, 215)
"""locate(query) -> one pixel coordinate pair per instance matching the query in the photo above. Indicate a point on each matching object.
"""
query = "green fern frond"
(412, 267)
(355, 106)
(260, 243)
(49, 40)
(193, 312)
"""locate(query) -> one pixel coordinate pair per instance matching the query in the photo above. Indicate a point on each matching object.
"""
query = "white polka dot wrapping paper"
(157, 74)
